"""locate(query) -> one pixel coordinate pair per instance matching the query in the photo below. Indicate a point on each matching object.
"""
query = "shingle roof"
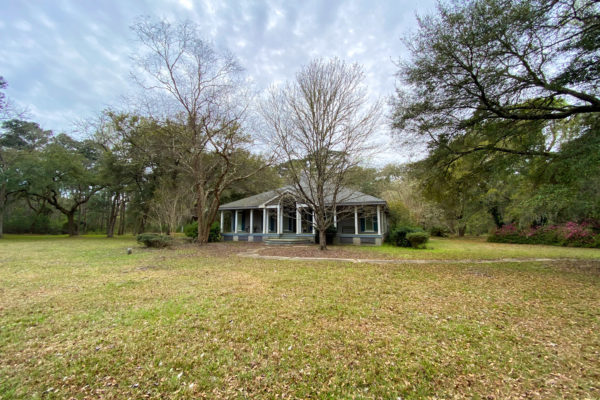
(345, 197)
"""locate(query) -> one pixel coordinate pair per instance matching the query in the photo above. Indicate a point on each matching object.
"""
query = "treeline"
(127, 178)
(123, 179)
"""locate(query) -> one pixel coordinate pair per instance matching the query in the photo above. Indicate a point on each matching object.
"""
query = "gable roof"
(348, 197)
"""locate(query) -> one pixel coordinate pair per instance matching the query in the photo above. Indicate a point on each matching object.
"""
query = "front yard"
(80, 318)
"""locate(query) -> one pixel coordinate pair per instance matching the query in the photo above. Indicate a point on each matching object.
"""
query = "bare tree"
(320, 124)
(171, 206)
(200, 96)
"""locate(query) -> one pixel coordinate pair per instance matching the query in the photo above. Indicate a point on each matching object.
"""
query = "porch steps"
(288, 239)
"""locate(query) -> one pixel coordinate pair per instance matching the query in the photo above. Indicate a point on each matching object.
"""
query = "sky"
(65, 61)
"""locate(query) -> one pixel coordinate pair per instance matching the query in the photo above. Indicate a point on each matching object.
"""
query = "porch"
(293, 223)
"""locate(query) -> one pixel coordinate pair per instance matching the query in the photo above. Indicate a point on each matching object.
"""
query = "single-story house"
(277, 214)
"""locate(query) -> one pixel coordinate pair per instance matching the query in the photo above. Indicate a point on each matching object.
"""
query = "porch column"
(252, 220)
(298, 221)
(235, 225)
(355, 220)
(279, 222)
(378, 219)
(265, 220)
(222, 219)
(313, 222)
(335, 217)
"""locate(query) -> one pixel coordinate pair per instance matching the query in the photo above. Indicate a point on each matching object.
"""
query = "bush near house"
(399, 236)
(439, 231)
(154, 240)
(569, 234)
(418, 240)
(191, 230)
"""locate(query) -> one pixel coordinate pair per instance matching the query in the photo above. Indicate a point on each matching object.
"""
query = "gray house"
(275, 216)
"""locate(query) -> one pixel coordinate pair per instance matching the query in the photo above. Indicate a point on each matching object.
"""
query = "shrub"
(191, 230)
(417, 240)
(569, 234)
(214, 235)
(438, 231)
(398, 235)
(154, 240)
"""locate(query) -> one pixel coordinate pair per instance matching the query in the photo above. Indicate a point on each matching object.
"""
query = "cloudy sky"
(67, 60)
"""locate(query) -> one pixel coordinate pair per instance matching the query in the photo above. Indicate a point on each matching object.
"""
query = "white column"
(378, 220)
(298, 221)
(235, 225)
(252, 220)
(355, 220)
(265, 220)
(222, 219)
(313, 222)
(335, 218)
(279, 222)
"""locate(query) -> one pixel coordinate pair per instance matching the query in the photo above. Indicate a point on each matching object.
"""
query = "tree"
(478, 61)
(65, 173)
(319, 124)
(568, 188)
(17, 140)
(134, 161)
(171, 204)
(205, 109)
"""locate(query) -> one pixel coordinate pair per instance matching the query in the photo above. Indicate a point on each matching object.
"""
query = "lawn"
(80, 318)
(477, 248)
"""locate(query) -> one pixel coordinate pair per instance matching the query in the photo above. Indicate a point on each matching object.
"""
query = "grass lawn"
(477, 248)
(79, 318)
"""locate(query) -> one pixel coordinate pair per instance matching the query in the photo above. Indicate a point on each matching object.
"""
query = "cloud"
(70, 59)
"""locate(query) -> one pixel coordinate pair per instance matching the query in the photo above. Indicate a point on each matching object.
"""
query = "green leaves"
(479, 61)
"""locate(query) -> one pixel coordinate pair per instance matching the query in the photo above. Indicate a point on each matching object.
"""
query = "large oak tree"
(477, 61)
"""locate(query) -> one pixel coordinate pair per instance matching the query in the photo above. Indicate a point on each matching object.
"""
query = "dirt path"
(255, 253)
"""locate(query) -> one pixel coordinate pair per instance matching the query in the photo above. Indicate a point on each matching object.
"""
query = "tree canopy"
(477, 61)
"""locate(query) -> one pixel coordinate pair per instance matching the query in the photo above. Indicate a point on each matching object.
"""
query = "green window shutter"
(375, 223)
(362, 224)
(243, 221)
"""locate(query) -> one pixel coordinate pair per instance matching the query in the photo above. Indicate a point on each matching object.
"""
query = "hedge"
(571, 234)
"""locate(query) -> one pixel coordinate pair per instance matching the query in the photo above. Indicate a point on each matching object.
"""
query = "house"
(276, 214)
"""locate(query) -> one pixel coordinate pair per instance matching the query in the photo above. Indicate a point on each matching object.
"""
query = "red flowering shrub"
(570, 234)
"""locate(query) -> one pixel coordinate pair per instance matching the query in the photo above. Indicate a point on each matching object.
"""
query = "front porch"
(293, 223)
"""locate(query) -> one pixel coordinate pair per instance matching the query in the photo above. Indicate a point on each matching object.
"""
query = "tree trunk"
(122, 218)
(1, 222)
(204, 220)
(71, 223)
(322, 240)
(112, 216)
(83, 217)
(143, 220)
(202, 224)
(462, 229)
(497, 216)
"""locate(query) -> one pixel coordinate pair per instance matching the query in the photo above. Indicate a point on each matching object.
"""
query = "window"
(369, 225)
